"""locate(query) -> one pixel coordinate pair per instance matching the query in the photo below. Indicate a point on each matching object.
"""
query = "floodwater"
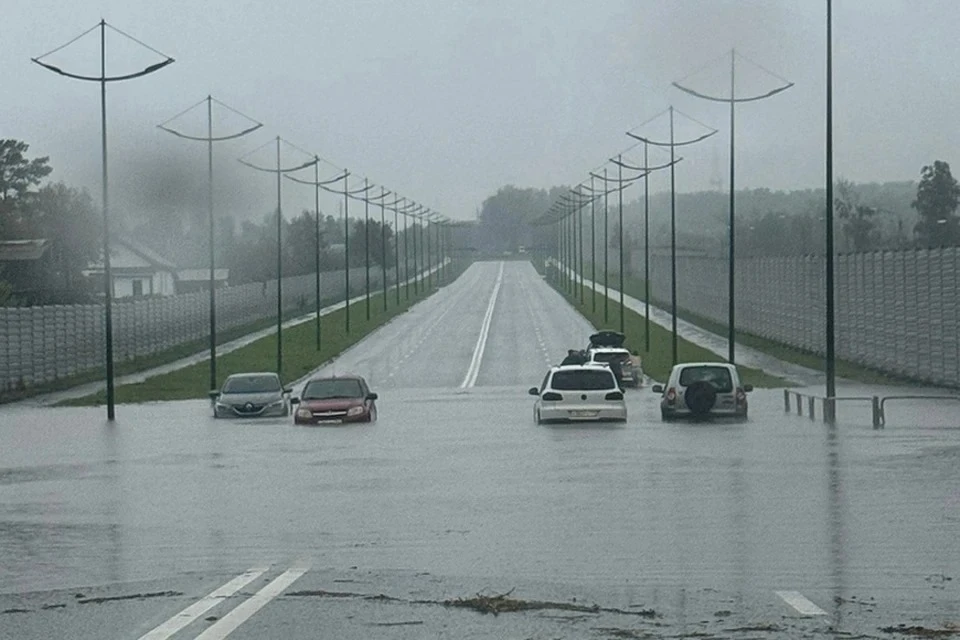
(781, 526)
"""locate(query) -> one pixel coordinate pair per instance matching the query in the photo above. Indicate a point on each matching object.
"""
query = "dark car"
(335, 399)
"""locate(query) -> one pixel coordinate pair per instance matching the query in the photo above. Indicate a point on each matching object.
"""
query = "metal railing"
(829, 410)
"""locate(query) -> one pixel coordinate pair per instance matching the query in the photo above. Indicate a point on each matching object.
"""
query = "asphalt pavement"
(170, 524)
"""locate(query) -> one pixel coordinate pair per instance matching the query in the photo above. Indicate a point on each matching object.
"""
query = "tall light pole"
(383, 245)
(396, 245)
(318, 184)
(279, 171)
(673, 144)
(830, 327)
(646, 170)
(733, 100)
(103, 79)
(210, 139)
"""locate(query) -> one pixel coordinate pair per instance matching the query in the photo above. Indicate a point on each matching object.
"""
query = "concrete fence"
(896, 311)
(42, 344)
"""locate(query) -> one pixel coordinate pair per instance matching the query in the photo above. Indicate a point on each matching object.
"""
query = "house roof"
(146, 253)
(21, 250)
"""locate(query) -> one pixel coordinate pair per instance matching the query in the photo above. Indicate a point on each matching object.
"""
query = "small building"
(27, 265)
(136, 271)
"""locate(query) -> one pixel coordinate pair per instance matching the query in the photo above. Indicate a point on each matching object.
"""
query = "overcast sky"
(444, 101)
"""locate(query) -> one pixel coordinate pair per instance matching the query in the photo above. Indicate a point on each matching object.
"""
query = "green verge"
(634, 287)
(300, 355)
(658, 362)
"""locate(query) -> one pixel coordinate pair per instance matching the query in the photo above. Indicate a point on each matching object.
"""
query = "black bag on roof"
(609, 339)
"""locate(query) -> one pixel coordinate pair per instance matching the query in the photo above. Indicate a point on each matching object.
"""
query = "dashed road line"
(198, 608)
(229, 623)
(800, 604)
(474, 370)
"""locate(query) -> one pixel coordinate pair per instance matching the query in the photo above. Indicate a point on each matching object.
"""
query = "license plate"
(583, 414)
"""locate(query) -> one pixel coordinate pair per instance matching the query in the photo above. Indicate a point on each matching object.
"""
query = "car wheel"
(536, 417)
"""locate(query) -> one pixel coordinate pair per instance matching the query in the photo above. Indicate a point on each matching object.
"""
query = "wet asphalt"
(780, 527)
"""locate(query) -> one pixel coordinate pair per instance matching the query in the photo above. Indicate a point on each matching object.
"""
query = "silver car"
(703, 389)
(251, 395)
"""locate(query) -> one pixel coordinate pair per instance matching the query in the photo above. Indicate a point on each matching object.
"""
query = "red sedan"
(335, 399)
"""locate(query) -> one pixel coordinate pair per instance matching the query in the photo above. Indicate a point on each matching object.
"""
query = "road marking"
(474, 370)
(200, 607)
(802, 606)
(229, 623)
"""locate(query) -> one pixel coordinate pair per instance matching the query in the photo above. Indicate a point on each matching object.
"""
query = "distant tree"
(358, 240)
(68, 217)
(857, 220)
(17, 176)
(937, 197)
(505, 217)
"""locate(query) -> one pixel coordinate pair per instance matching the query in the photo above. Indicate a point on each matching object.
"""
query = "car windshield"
(611, 356)
(252, 384)
(719, 377)
(333, 388)
(583, 380)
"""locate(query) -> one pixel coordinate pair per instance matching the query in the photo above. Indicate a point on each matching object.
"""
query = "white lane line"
(200, 607)
(800, 604)
(474, 369)
(229, 623)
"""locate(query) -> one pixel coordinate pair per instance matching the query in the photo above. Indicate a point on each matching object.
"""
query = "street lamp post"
(318, 184)
(673, 144)
(830, 327)
(210, 139)
(279, 171)
(103, 79)
(733, 100)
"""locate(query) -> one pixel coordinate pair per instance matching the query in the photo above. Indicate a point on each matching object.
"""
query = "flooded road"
(773, 528)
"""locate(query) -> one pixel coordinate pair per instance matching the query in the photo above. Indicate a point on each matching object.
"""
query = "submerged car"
(606, 347)
(575, 393)
(335, 399)
(251, 395)
(703, 389)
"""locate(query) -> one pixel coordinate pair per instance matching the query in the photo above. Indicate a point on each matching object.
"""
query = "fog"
(444, 102)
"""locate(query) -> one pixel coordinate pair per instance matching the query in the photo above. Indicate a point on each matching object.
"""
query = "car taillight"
(613, 395)
(671, 394)
(741, 396)
(552, 395)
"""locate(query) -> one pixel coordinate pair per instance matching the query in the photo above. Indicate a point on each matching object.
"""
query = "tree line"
(71, 221)
(867, 217)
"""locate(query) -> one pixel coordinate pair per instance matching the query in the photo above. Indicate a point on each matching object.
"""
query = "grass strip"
(300, 355)
(658, 362)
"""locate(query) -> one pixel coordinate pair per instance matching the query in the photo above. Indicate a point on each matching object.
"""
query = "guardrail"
(829, 409)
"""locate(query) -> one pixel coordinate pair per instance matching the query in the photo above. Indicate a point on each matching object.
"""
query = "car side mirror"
(635, 352)
(214, 394)
(372, 396)
(534, 391)
(288, 391)
(658, 388)
(294, 400)
(748, 388)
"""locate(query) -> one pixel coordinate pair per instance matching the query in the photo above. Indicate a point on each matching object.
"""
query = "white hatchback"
(703, 389)
(579, 392)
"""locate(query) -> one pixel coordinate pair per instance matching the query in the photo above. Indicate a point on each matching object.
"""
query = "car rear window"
(610, 356)
(719, 377)
(583, 380)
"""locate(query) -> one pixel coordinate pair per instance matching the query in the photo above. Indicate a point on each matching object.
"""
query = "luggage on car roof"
(612, 339)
